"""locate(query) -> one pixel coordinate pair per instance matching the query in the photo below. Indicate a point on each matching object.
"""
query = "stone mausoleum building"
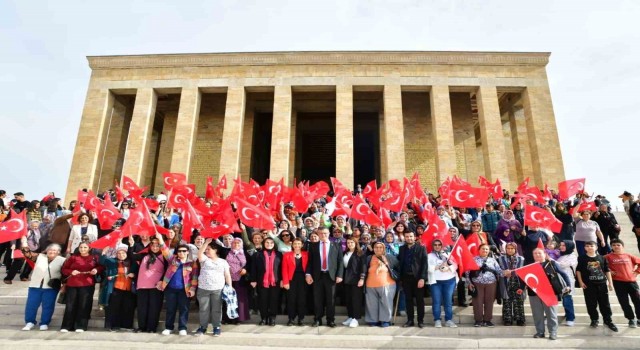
(312, 115)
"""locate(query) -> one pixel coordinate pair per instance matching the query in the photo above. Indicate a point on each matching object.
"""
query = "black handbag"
(393, 273)
(557, 282)
(62, 296)
(54, 283)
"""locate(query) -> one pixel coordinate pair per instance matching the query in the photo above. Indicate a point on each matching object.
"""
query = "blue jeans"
(402, 303)
(176, 300)
(36, 297)
(580, 248)
(567, 303)
(442, 291)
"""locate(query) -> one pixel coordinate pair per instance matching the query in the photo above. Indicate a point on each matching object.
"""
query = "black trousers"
(268, 301)
(78, 309)
(15, 268)
(5, 248)
(597, 296)
(624, 291)
(462, 290)
(411, 292)
(353, 298)
(119, 313)
(149, 306)
(324, 292)
(297, 297)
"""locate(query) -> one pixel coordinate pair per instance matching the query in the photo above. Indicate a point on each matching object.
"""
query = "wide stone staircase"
(249, 335)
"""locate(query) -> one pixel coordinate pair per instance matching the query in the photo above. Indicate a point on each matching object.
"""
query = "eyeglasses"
(286, 235)
(475, 225)
(437, 245)
(183, 251)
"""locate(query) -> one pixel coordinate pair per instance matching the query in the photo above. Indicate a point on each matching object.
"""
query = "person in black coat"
(324, 270)
(353, 281)
(413, 275)
(265, 275)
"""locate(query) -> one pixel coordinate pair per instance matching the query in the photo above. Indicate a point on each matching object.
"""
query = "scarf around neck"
(269, 279)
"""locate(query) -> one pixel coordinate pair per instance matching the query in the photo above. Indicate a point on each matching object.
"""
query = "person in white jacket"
(80, 230)
(442, 279)
(568, 261)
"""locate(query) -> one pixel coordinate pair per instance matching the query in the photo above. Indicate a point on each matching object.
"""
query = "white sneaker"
(354, 323)
(569, 323)
(64, 331)
(438, 324)
(182, 332)
(347, 321)
(451, 324)
(80, 330)
(44, 327)
(166, 332)
(403, 313)
(29, 326)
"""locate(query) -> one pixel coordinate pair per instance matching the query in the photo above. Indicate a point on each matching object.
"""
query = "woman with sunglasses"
(214, 275)
(442, 279)
(283, 240)
(152, 266)
(179, 285)
(266, 275)
(80, 269)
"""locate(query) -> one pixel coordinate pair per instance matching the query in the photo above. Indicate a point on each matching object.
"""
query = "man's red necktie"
(324, 256)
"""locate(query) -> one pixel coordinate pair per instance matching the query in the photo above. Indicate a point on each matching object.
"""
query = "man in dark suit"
(324, 270)
(413, 274)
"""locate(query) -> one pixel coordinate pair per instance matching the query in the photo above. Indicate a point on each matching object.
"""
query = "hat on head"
(120, 247)
(18, 194)
(625, 194)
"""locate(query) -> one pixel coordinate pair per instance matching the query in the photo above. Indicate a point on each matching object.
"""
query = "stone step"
(285, 339)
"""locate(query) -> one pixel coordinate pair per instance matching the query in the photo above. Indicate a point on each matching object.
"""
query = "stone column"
(89, 148)
(442, 129)
(344, 134)
(140, 133)
(543, 136)
(281, 133)
(520, 141)
(394, 132)
(247, 142)
(115, 136)
(232, 132)
(495, 164)
(508, 148)
(471, 158)
(186, 130)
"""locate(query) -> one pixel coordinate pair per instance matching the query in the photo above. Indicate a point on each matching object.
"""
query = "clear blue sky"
(594, 72)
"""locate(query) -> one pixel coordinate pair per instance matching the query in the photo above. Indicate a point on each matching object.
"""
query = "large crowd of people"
(312, 261)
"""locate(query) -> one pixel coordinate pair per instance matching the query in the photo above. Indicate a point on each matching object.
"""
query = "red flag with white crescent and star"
(462, 256)
(107, 213)
(541, 218)
(173, 179)
(254, 216)
(569, 188)
(13, 228)
(536, 279)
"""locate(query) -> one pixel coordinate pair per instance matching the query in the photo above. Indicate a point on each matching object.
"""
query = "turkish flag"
(179, 196)
(385, 217)
(210, 193)
(473, 243)
(13, 228)
(300, 203)
(254, 216)
(91, 201)
(536, 279)
(546, 194)
(318, 189)
(465, 196)
(215, 232)
(417, 189)
(495, 189)
(109, 240)
(107, 213)
(222, 183)
(541, 218)
(444, 188)
(129, 185)
(569, 188)
(74, 218)
(190, 221)
(462, 256)
(119, 193)
(370, 189)
(170, 180)
(338, 186)
(360, 209)
(273, 192)
(540, 244)
(82, 196)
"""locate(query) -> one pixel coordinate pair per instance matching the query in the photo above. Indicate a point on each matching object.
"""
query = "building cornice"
(321, 58)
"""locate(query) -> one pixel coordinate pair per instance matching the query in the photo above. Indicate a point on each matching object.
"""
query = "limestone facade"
(437, 113)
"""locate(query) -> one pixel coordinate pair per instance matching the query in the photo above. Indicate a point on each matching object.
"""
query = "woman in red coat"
(294, 263)
(81, 269)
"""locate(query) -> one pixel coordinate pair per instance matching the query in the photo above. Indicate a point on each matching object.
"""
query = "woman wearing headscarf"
(541, 312)
(118, 288)
(43, 288)
(266, 274)
(511, 287)
(152, 266)
(568, 261)
(294, 265)
(568, 227)
(238, 267)
(442, 279)
(392, 247)
(380, 286)
(81, 269)
(483, 283)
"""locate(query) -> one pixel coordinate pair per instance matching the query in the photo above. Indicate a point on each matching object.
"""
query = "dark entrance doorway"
(315, 146)
(366, 148)
(261, 153)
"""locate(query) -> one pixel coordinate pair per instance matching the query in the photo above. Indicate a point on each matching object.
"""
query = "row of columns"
(533, 131)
